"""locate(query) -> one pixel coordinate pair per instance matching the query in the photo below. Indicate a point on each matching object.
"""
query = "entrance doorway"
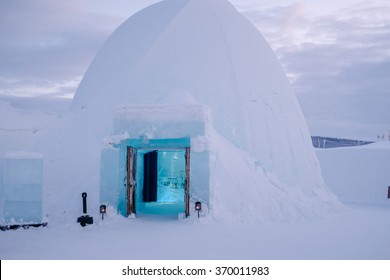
(158, 180)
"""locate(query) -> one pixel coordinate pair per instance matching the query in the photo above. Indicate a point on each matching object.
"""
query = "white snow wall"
(200, 52)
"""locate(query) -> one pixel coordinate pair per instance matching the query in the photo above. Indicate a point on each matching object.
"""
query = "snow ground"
(360, 232)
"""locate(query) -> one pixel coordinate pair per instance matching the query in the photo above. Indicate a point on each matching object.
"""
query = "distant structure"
(331, 142)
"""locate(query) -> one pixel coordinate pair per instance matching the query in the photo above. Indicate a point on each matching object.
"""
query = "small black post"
(388, 193)
(84, 195)
(85, 220)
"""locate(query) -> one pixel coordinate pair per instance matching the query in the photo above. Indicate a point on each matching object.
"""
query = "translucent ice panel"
(22, 190)
(19, 212)
(23, 171)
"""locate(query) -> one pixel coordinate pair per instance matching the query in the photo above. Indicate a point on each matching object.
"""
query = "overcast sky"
(335, 53)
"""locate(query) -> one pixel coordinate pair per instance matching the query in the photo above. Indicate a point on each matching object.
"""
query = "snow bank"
(243, 191)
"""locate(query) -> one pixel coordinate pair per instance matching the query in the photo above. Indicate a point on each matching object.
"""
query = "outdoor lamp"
(198, 207)
(103, 210)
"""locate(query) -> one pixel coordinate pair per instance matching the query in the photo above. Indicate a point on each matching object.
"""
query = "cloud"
(356, 41)
(338, 63)
(51, 41)
(281, 25)
(34, 87)
(47, 44)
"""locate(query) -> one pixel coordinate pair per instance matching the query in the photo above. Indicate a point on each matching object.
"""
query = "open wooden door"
(149, 191)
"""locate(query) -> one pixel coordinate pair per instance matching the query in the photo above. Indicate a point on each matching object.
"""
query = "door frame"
(131, 168)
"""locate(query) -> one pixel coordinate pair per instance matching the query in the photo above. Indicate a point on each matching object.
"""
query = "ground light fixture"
(103, 210)
(198, 207)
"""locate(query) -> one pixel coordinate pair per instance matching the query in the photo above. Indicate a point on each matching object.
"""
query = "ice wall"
(21, 188)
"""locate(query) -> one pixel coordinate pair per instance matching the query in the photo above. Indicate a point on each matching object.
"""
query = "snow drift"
(262, 163)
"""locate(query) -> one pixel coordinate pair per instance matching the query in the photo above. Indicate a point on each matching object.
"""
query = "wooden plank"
(130, 182)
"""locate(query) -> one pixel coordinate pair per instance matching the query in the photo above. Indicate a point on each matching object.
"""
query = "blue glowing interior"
(171, 179)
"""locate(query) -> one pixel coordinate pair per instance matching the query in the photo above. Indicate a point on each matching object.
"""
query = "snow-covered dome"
(206, 52)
